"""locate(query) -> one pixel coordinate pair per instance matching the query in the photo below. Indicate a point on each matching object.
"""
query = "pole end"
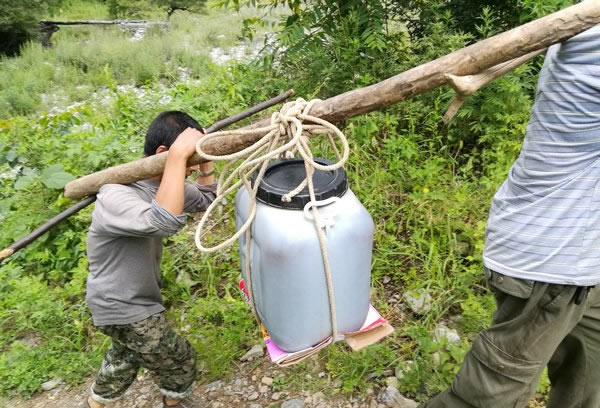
(5, 253)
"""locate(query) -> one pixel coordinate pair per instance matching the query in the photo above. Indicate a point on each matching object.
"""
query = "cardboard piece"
(373, 329)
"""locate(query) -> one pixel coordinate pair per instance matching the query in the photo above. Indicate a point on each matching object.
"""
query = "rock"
(322, 374)
(267, 380)
(253, 397)
(455, 318)
(402, 368)
(391, 382)
(442, 332)
(254, 378)
(437, 358)
(392, 398)
(386, 279)
(254, 406)
(237, 385)
(255, 352)
(216, 404)
(275, 396)
(318, 397)
(295, 403)
(337, 383)
(52, 384)
(31, 339)
(263, 388)
(418, 300)
(214, 386)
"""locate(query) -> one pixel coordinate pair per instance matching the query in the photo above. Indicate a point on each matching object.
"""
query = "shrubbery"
(427, 185)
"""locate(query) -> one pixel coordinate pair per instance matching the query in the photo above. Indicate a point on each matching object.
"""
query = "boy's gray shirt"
(124, 248)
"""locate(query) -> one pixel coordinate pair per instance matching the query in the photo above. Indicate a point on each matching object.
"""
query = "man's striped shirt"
(544, 223)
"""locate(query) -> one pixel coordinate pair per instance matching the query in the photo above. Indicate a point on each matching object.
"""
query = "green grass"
(427, 187)
(87, 58)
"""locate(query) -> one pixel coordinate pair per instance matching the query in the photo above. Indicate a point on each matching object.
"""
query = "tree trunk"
(536, 35)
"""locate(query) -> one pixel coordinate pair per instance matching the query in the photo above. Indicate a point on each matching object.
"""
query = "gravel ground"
(252, 387)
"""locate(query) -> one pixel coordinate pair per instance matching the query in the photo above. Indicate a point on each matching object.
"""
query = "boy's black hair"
(165, 128)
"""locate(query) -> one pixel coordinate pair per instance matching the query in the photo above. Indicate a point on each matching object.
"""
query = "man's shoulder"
(107, 188)
(112, 191)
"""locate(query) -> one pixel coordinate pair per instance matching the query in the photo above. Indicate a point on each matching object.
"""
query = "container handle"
(328, 221)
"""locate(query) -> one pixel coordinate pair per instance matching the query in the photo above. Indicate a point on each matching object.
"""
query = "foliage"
(74, 110)
(19, 22)
(129, 8)
(43, 78)
(171, 6)
(144, 8)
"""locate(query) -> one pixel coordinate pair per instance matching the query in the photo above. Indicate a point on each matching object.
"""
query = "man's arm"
(170, 195)
(206, 174)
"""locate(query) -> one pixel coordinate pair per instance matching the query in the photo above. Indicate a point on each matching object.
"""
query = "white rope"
(286, 134)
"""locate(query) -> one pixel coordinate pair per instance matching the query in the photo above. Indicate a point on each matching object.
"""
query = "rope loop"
(290, 130)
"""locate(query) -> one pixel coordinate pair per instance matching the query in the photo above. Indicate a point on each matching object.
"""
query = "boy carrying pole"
(124, 250)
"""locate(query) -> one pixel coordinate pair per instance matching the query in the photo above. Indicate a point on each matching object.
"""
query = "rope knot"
(290, 130)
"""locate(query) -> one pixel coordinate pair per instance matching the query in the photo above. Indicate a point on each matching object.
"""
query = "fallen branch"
(466, 86)
(49, 27)
(516, 43)
(105, 22)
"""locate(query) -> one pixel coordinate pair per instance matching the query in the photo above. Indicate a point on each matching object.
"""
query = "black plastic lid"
(283, 176)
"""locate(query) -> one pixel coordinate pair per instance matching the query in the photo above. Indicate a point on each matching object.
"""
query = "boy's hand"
(185, 144)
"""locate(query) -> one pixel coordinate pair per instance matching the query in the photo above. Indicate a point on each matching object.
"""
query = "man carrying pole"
(124, 250)
(541, 255)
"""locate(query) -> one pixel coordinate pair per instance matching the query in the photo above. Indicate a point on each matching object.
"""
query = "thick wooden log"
(534, 36)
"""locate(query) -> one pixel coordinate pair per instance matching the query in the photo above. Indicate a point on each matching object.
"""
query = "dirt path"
(251, 388)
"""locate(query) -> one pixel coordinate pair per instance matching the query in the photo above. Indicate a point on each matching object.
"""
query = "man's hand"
(185, 144)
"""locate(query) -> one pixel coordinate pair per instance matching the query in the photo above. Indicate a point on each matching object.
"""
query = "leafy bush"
(426, 185)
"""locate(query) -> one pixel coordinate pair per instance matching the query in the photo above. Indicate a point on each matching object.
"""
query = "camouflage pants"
(152, 344)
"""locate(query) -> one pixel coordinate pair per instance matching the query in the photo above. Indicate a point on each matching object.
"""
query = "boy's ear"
(161, 148)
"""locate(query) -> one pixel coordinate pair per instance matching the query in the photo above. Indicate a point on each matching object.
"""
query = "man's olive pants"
(535, 325)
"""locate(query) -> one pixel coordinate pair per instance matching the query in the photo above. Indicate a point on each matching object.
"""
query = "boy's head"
(165, 128)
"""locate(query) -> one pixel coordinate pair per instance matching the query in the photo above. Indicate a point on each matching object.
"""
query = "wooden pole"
(513, 44)
(7, 252)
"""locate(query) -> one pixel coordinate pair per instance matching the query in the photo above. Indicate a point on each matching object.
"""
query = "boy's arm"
(206, 174)
(170, 195)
